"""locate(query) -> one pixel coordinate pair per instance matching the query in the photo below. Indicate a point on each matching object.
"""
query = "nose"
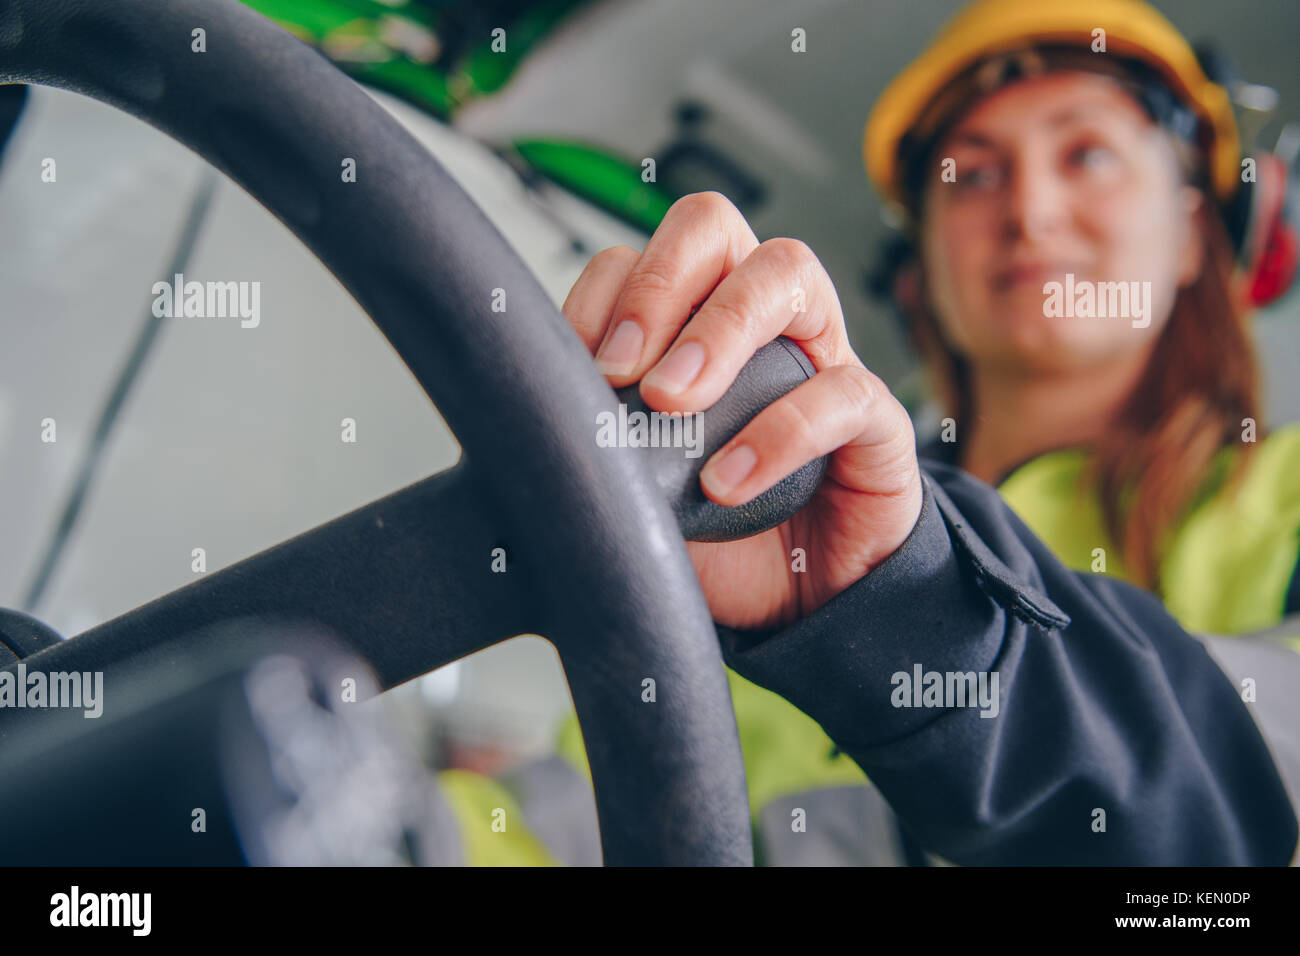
(1037, 203)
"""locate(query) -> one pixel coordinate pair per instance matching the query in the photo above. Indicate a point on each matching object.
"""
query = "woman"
(1023, 158)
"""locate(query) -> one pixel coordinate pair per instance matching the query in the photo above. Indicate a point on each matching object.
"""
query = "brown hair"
(1201, 381)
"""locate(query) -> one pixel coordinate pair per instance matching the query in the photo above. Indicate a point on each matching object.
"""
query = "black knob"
(676, 447)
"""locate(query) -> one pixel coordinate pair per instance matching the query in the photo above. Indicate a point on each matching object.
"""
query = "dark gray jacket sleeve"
(1117, 739)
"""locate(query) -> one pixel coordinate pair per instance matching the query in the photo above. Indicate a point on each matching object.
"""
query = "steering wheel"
(593, 536)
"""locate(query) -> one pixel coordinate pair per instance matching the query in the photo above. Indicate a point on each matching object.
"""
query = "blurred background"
(228, 439)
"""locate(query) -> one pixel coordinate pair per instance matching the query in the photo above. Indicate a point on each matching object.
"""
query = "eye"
(1091, 156)
(979, 176)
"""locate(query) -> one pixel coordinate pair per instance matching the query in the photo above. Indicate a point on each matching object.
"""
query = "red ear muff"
(1276, 269)
(1269, 241)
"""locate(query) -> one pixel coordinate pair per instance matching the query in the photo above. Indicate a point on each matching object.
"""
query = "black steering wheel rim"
(517, 387)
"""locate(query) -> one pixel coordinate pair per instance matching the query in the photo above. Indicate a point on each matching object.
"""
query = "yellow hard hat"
(1133, 30)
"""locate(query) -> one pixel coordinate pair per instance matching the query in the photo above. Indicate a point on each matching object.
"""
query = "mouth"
(1030, 275)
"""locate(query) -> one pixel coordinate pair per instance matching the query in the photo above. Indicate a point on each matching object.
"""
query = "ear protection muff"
(1263, 215)
(1269, 245)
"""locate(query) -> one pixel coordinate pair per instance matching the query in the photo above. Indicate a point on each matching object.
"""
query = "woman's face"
(1062, 173)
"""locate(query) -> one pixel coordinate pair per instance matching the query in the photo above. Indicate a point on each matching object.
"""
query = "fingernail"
(619, 355)
(720, 476)
(679, 369)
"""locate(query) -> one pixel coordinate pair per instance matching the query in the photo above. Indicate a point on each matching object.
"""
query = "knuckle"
(795, 262)
(792, 421)
(860, 388)
(615, 255)
(651, 278)
(711, 211)
(729, 317)
(880, 405)
(707, 203)
(794, 253)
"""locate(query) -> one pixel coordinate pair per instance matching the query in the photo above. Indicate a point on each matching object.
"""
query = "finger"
(780, 288)
(590, 302)
(701, 239)
(844, 409)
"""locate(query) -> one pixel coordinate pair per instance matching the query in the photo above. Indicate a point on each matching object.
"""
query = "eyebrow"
(1061, 117)
(1074, 112)
(972, 138)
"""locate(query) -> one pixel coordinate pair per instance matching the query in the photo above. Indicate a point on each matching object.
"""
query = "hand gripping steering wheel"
(593, 535)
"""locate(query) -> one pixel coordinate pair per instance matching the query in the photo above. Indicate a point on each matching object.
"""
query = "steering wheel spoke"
(406, 580)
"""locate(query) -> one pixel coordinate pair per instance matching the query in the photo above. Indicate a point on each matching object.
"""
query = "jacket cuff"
(928, 604)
